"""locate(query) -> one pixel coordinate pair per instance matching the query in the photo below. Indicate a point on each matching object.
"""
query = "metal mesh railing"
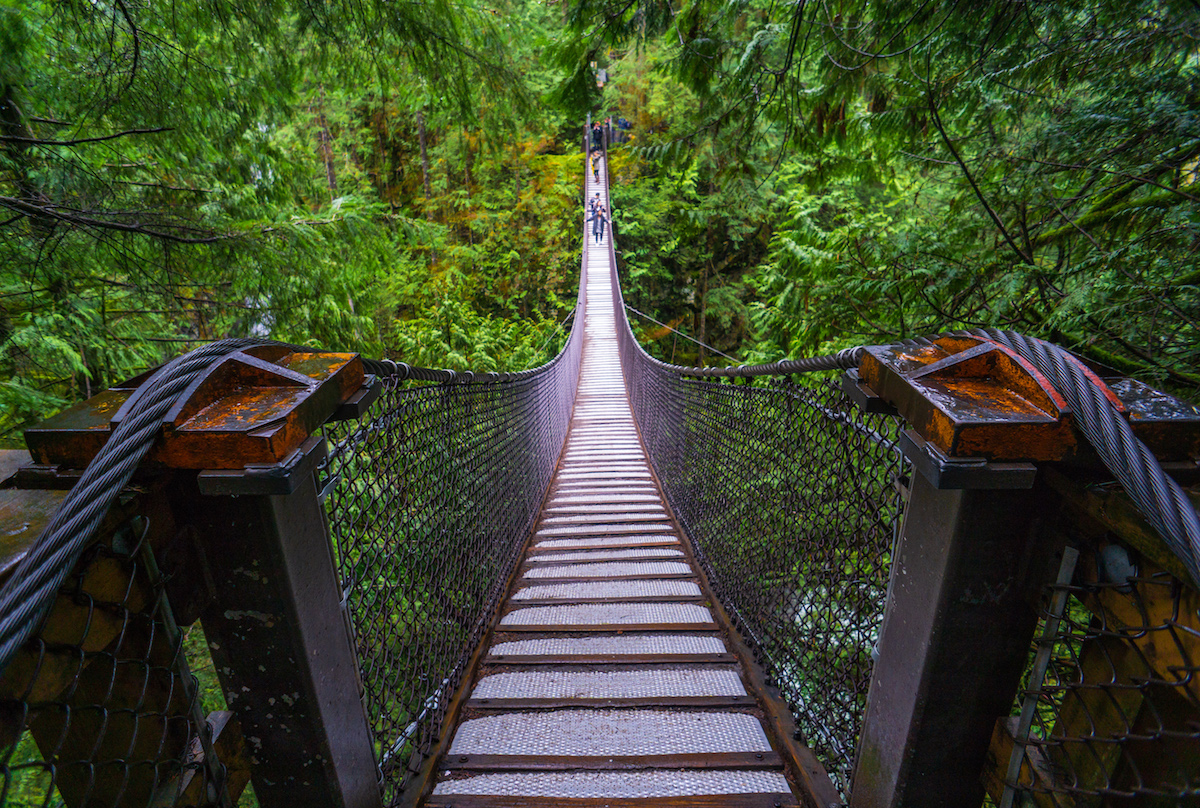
(100, 706)
(430, 498)
(789, 496)
(1112, 716)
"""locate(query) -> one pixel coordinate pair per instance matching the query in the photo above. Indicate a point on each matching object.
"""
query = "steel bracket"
(357, 405)
(265, 479)
(865, 398)
(945, 473)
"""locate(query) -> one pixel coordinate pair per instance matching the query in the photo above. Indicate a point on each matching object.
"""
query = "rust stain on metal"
(973, 398)
(253, 406)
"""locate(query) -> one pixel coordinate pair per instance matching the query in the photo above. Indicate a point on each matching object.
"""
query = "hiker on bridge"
(598, 221)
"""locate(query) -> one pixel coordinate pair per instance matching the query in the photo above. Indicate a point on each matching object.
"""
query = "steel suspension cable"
(1161, 500)
(29, 591)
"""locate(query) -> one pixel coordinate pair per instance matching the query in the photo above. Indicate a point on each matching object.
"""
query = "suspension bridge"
(952, 571)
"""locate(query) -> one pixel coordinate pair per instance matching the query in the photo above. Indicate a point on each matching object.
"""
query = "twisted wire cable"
(27, 595)
(1161, 500)
(842, 360)
(29, 591)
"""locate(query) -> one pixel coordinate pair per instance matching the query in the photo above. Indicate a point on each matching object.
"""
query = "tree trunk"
(702, 330)
(424, 159)
(469, 162)
(326, 143)
(422, 140)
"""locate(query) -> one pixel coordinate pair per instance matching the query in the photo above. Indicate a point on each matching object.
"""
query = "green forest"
(404, 179)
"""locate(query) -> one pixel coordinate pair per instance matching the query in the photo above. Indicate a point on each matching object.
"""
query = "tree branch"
(34, 141)
(29, 209)
(937, 122)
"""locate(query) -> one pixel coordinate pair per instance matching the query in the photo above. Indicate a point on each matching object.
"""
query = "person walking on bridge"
(598, 221)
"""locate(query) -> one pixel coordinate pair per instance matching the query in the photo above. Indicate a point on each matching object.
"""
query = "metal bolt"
(758, 756)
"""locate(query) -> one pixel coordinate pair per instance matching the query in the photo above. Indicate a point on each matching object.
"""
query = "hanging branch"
(937, 122)
(34, 141)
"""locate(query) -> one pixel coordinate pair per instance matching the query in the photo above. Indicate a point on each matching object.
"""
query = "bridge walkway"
(608, 682)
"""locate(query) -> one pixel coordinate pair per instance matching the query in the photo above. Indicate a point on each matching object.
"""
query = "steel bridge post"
(279, 635)
(966, 569)
(960, 614)
(237, 458)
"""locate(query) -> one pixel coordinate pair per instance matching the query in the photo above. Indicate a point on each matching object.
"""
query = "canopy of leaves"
(357, 175)
(925, 166)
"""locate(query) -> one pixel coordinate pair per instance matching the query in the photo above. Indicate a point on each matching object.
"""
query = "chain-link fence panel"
(1111, 716)
(100, 707)
(430, 497)
(790, 497)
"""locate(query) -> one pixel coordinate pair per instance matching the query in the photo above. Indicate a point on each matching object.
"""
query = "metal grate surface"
(650, 538)
(609, 570)
(610, 732)
(603, 613)
(645, 514)
(644, 683)
(618, 785)
(612, 555)
(602, 529)
(615, 644)
(611, 589)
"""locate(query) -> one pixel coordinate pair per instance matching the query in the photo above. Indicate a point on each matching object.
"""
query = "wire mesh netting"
(430, 498)
(100, 707)
(789, 496)
(1116, 718)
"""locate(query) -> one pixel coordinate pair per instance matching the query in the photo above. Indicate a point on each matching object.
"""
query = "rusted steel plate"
(23, 516)
(972, 398)
(1168, 425)
(546, 763)
(252, 406)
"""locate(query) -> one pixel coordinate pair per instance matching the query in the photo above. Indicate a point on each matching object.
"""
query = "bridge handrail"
(788, 494)
(521, 417)
(1116, 634)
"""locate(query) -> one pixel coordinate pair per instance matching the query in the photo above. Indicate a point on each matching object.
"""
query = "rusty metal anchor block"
(228, 529)
(991, 441)
(254, 406)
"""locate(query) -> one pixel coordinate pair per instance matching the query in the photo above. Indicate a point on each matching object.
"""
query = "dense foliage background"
(402, 178)
(844, 172)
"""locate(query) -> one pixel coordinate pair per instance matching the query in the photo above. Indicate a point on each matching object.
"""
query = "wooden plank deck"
(608, 681)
